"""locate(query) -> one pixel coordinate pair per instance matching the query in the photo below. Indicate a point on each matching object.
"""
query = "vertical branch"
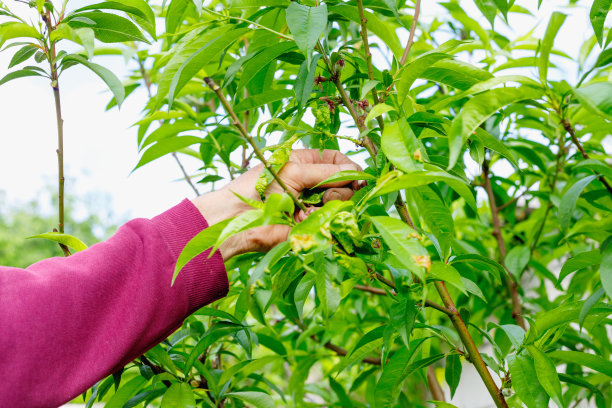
(415, 19)
(470, 347)
(512, 285)
(434, 385)
(236, 122)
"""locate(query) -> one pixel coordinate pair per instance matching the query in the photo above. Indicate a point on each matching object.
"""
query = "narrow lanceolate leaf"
(413, 70)
(568, 201)
(64, 239)
(589, 303)
(580, 261)
(346, 175)
(108, 28)
(261, 61)
(254, 398)
(198, 244)
(23, 54)
(12, 30)
(447, 273)
(524, 382)
(517, 259)
(126, 391)
(395, 372)
(480, 108)
(307, 24)
(18, 74)
(255, 101)
(591, 361)
(179, 395)
(400, 145)
(606, 270)
(546, 373)
(408, 250)
(378, 110)
(452, 372)
(176, 13)
(437, 216)
(554, 24)
(599, 11)
(596, 97)
(192, 65)
(113, 83)
(166, 146)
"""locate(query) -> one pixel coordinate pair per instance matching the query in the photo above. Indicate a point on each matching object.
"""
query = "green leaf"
(399, 144)
(605, 270)
(591, 361)
(125, 392)
(244, 221)
(457, 74)
(481, 261)
(65, 239)
(398, 235)
(176, 13)
(488, 8)
(413, 70)
(491, 143)
(179, 395)
(395, 372)
(589, 303)
(437, 216)
(346, 175)
(109, 28)
(12, 30)
(113, 83)
(580, 261)
(261, 61)
(18, 74)
(304, 83)
(599, 11)
(480, 108)
(200, 59)
(523, 374)
(198, 244)
(307, 24)
(517, 259)
(369, 342)
(416, 179)
(596, 166)
(447, 273)
(554, 24)
(546, 373)
(568, 201)
(255, 101)
(596, 97)
(166, 146)
(23, 54)
(452, 372)
(138, 9)
(255, 398)
(378, 110)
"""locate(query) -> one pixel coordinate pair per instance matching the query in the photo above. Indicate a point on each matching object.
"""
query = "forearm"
(68, 322)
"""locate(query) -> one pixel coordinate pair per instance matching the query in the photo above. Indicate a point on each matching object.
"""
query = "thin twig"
(512, 285)
(342, 352)
(434, 385)
(415, 19)
(382, 292)
(236, 122)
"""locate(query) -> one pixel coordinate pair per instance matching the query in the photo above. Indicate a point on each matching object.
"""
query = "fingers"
(320, 156)
(301, 175)
(343, 194)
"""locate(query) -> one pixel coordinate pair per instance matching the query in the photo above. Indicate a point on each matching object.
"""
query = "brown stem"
(570, 129)
(512, 285)
(470, 346)
(434, 386)
(236, 122)
(415, 19)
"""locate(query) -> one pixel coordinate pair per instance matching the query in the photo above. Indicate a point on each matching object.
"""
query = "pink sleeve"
(65, 323)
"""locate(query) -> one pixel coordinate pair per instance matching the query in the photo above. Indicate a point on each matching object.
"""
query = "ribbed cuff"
(204, 279)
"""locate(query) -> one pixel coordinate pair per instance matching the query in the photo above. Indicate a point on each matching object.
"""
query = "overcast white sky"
(100, 147)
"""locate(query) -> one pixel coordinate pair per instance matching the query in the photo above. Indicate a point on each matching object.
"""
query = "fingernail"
(347, 166)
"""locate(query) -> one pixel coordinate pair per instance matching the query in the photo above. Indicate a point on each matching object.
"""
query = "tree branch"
(236, 122)
(415, 19)
(511, 284)
(185, 175)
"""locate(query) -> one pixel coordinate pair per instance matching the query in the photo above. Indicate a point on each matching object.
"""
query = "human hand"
(305, 169)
